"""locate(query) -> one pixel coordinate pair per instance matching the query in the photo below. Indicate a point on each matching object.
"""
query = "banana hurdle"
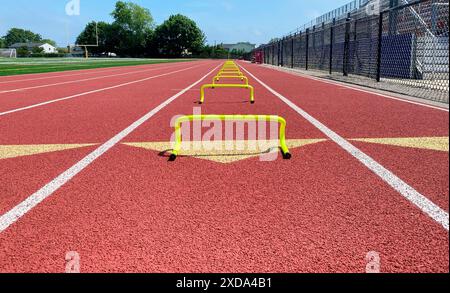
(229, 71)
(217, 78)
(219, 85)
(268, 118)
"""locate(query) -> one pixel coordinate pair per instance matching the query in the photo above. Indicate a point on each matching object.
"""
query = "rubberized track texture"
(89, 174)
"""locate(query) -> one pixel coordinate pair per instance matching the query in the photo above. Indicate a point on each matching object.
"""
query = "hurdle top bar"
(267, 118)
(221, 85)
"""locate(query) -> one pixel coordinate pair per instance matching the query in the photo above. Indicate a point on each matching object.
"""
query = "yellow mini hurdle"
(230, 73)
(230, 66)
(268, 118)
(217, 85)
(230, 70)
(242, 78)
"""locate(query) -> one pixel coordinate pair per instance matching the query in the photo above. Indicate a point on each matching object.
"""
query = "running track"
(76, 177)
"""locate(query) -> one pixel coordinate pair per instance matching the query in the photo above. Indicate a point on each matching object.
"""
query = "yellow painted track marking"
(428, 143)
(14, 151)
(224, 151)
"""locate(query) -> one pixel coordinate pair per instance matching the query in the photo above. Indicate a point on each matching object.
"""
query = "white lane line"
(92, 92)
(83, 72)
(408, 192)
(364, 91)
(86, 79)
(57, 76)
(36, 198)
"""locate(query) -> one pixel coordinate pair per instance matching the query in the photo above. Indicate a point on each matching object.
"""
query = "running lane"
(37, 144)
(410, 140)
(76, 72)
(132, 211)
(25, 81)
(14, 100)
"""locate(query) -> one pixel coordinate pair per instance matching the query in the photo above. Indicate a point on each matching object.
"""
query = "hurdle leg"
(284, 149)
(202, 95)
(252, 94)
(176, 149)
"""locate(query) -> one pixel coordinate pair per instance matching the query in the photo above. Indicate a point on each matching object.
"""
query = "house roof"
(28, 45)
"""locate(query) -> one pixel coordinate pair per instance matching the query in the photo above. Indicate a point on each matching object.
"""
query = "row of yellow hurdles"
(230, 70)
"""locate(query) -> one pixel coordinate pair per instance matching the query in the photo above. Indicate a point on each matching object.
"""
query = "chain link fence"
(396, 45)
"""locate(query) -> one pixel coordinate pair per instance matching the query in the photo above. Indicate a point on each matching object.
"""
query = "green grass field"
(18, 66)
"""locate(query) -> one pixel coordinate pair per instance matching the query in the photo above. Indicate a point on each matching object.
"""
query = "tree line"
(18, 35)
(133, 33)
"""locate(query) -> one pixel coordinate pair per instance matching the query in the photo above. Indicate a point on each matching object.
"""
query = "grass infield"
(18, 66)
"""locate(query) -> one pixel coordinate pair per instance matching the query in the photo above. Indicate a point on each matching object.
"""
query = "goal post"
(8, 53)
(86, 46)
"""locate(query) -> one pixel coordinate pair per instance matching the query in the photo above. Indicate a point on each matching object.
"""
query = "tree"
(133, 26)
(63, 50)
(2, 43)
(237, 54)
(274, 40)
(179, 36)
(23, 52)
(37, 50)
(215, 52)
(105, 37)
(48, 41)
(17, 35)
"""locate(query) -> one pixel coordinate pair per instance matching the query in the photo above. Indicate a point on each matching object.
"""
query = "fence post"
(264, 55)
(331, 44)
(275, 50)
(267, 56)
(346, 45)
(380, 44)
(393, 17)
(292, 50)
(273, 53)
(280, 53)
(307, 49)
(322, 64)
(434, 16)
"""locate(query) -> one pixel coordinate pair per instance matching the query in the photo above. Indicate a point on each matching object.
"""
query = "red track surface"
(132, 211)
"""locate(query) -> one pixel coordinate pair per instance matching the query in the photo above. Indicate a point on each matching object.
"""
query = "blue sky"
(226, 21)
